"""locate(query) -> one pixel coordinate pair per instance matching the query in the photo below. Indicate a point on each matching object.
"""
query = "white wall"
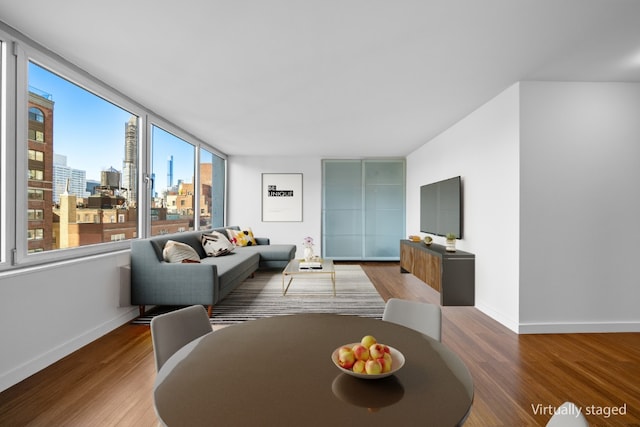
(49, 312)
(580, 207)
(546, 163)
(244, 200)
(483, 149)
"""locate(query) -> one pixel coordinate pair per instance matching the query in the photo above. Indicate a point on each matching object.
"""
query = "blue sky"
(90, 132)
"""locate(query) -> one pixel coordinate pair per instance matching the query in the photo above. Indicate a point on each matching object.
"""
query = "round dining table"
(278, 371)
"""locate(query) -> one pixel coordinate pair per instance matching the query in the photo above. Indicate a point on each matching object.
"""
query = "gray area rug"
(261, 296)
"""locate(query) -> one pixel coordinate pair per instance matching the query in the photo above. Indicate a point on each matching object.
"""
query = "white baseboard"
(34, 365)
(576, 328)
(559, 327)
(498, 317)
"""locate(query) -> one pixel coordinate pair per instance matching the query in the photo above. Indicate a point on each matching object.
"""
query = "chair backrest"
(421, 316)
(172, 331)
(568, 415)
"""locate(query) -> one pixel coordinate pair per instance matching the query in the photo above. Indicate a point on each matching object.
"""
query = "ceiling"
(330, 78)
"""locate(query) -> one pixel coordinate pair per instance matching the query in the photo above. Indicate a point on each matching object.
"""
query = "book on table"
(310, 265)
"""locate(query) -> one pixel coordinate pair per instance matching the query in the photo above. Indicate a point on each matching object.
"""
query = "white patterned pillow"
(216, 244)
(179, 252)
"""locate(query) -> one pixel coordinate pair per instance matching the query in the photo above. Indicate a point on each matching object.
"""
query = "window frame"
(8, 79)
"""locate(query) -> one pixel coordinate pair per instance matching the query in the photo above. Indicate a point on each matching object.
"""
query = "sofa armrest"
(163, 283)
(262, 240)
(174, 284)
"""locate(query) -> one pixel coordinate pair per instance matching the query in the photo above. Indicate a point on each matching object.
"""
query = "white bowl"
(397, 361)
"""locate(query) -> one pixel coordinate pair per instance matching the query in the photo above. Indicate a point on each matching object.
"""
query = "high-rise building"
(40, 175)
(206, 181)
(170, 172)
(130, 163)
(92, 185)
(68, 179)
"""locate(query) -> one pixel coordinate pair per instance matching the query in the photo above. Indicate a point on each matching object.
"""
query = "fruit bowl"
(397, 361)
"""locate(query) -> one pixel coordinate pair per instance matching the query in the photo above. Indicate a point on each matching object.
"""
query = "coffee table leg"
(333, 279)
(284, 290)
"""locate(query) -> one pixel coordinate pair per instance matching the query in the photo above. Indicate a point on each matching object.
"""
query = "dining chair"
(172, 331)
(568, 415)
(420, 316)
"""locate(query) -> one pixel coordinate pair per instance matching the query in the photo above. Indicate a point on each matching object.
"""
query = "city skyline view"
(85, 168)
(90, 132)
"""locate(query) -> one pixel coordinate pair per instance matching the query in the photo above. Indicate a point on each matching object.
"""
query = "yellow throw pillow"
(241, 237)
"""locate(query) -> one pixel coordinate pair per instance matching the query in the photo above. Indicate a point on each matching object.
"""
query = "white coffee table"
(293, 269)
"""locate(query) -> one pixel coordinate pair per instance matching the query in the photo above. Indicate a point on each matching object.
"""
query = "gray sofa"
(157, 282)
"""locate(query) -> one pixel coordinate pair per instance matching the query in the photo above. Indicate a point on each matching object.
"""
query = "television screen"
(441, 207)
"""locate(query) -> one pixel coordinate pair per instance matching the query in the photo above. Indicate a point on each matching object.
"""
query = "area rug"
(261, 296)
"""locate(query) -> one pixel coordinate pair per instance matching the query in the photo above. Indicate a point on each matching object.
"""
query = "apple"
(368, 341)
(361, 352)
(359, 367)
(346, 358)
(386, 362)
(376, 351)
(373, 367)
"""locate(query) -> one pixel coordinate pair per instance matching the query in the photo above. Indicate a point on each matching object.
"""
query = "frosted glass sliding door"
(384, 208)
(363, 209)
(342, 209)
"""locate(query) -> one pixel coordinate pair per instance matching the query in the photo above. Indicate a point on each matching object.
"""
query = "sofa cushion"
(216, 244)
(278, 252)
(178, 252)
(242, 237)
(233, 268)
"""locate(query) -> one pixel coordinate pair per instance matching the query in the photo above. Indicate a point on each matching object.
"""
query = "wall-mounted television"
(441, 207)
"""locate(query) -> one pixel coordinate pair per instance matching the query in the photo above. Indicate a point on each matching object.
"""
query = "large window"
(173, 192)
(182, 195)
(75, 153)
(79, 149)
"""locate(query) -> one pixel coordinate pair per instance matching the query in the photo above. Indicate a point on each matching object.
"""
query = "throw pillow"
(216, 244)
(241, 237)
(177, 252)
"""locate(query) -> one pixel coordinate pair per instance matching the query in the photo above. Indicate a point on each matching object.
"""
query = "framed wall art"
(282, 197)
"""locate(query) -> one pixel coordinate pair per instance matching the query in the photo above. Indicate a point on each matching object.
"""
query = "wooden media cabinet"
(450, 273)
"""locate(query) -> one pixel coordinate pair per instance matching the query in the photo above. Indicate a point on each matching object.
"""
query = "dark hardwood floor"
(109, 382)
